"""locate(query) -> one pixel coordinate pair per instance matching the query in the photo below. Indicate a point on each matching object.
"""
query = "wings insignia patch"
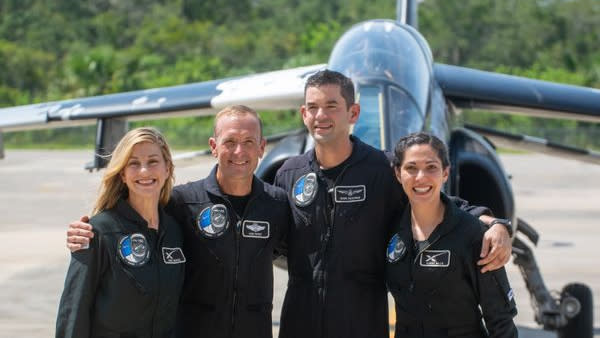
(255, 229)
(350, 193)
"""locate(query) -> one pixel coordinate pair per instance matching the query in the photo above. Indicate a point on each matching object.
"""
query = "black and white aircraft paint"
(401, 90)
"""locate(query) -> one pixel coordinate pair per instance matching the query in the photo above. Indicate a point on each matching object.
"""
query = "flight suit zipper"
(411, 287)
(238, 228)
(155, 256)
(328, 243)
(235, 274)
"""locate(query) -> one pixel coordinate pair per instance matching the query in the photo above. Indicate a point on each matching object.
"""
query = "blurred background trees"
(51, 50)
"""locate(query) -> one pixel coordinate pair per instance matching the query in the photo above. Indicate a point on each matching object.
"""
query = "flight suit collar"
(135, 220)
(212, 186)
(359, 151)
(448, 223)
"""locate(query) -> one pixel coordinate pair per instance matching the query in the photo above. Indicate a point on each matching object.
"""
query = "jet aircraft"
(401, 90)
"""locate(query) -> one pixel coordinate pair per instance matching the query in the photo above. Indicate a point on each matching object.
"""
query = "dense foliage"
(59, 49)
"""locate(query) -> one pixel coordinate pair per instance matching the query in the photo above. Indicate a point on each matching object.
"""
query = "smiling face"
(421, 173)
(145, 172)
(326, 114)
(237, 145)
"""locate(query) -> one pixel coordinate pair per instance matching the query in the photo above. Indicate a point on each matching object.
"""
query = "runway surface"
(42, 191)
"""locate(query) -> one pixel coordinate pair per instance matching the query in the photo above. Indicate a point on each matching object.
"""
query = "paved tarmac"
(42, 191)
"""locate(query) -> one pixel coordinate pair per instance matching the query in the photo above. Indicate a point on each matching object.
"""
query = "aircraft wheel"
(581, 325)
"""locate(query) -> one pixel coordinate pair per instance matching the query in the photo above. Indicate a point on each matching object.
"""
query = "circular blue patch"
(133, 249)
(395, 249)
(305, 189)
(213, 221)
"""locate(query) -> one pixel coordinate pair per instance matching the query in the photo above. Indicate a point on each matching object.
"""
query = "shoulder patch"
(510, 295)
(396, 249)
(133, 249)
(305, 189)
(213, 221)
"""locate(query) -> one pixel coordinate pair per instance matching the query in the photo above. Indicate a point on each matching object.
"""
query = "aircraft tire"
(582, 325)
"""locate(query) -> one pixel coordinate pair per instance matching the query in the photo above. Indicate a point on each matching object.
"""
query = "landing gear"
(571, 314)
(581, 324)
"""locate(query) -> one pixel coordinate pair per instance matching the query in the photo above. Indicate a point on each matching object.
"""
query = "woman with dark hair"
(431, 258)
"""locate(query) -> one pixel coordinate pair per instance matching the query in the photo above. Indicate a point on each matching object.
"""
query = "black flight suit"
(108, 294)
(228, 288)
(437, 285)
(336, 265)
(335, 260)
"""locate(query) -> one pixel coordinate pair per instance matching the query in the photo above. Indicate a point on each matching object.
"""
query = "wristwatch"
(506, 222)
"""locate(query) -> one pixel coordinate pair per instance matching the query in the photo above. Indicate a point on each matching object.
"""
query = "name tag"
(435, 258)
(255, 229)
(350, 193)
(173, 255)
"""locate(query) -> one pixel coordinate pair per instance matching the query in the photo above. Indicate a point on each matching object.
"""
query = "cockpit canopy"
(391, 66)
(388, 50)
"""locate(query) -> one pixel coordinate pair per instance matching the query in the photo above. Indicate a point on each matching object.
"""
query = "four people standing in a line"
(343, 198)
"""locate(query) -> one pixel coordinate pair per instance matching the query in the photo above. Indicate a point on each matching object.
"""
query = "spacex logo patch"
(435, 258)
(173, 255)
(255, 229)
(350, 193)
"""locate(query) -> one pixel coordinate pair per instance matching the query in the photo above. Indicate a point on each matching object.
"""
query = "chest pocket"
(435, 268)
(134, 262)
(256, 229)
(349, 201)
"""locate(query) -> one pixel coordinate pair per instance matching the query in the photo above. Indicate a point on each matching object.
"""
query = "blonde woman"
(128, 282)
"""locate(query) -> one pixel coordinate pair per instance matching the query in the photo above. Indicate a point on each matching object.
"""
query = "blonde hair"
(237, 110)
(112, 187)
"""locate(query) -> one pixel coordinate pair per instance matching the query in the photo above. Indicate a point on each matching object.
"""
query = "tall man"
(344, 196)
(232, 222)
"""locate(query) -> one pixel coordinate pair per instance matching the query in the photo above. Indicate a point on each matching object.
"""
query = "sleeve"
(175, 207)
(495, 296)
(395, 199)
(280, 181)
(78, 297)
(281, 248)
(474, 210)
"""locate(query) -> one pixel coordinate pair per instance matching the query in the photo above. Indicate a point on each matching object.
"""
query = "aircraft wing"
(282, 89)
(476, 89)
(536, 144)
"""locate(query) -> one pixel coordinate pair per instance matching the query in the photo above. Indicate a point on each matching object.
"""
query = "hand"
(79, 234)
(498, 239)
